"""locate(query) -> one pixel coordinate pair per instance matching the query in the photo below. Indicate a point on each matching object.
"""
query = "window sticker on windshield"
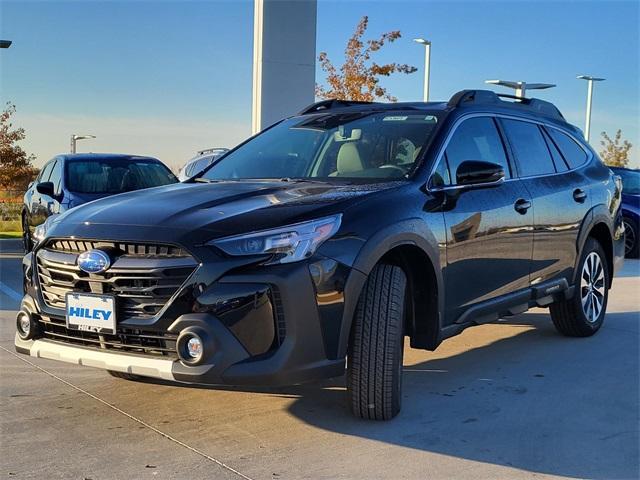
(397, 118)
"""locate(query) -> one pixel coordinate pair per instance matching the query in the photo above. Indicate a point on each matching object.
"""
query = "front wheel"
(374, 364)
(582, 315)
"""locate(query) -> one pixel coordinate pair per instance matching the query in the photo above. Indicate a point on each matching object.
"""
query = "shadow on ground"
(534, 400)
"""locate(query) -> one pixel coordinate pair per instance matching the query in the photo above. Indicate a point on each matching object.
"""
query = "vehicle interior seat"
(348, 160)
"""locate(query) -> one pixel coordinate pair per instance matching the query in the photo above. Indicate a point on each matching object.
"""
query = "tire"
(125, 376)
(374, 367)
(569, 316)
(631, 245)
(27, 242)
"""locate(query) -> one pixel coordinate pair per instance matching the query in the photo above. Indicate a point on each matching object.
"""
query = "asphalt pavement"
(510, 400)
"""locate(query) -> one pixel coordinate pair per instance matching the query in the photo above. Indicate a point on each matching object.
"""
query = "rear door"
(559, 190)
(489, 242)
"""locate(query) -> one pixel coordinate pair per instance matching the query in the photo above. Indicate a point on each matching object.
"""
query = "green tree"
(16, 166)
(615, 151)
(358, 78)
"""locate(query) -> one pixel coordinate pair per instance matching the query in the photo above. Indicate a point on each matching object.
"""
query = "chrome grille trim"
(142, 283)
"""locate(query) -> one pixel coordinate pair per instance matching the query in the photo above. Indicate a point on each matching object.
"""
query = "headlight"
(41, 230)
(287, 244)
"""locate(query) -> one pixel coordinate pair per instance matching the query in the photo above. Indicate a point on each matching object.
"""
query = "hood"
(221, 208)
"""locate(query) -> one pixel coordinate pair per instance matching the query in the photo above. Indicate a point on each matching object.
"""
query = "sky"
(168, 78)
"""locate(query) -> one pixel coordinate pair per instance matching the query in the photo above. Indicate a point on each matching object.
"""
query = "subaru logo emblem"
(94, 261)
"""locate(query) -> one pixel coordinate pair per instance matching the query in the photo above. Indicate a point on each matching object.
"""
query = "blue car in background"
(69, 180)
(630, 208)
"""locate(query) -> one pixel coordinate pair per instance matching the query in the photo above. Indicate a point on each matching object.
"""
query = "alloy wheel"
(592, 287)
(629, 237)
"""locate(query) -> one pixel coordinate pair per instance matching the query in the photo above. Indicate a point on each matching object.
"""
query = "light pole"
(587, 123)
(5, 43)
(427, 65)
(75, 138)
(520, 87)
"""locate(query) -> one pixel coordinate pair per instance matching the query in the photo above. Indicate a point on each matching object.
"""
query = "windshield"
(349, 145)
(116, 175)
(630, 181)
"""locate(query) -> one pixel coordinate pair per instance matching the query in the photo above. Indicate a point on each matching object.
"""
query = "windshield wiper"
(295, 179)
(205, 180)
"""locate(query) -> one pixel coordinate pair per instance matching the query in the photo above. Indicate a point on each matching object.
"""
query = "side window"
(56, 177)
(529, 147)
(558, 160)
(46, 172)
(476, 139)
(573, 153)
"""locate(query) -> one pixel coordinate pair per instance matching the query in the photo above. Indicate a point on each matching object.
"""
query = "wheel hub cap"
(592, 287)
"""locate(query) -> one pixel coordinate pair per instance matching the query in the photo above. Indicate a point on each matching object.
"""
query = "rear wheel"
(125, 376)
(374, 371)
(583, 314)
(631, 247)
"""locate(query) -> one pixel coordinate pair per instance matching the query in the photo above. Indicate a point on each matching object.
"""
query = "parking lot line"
(128, 415)
(10, 292)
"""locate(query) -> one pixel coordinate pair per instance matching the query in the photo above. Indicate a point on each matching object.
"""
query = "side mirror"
(476, 172)
(45, 188)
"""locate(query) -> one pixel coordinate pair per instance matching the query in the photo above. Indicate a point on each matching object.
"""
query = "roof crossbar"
(484, 97)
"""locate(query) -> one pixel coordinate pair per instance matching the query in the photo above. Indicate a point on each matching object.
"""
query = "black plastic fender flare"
(412, 231)
(597, 214)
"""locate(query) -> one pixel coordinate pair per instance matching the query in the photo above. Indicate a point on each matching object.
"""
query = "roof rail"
(480, 97)
(331, 103)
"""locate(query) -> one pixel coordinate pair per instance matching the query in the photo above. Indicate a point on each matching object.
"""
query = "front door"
(489, 229)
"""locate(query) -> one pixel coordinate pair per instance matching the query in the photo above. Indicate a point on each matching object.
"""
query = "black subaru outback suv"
(327, 239)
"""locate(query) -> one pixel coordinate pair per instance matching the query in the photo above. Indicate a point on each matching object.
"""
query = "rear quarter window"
(573, 153)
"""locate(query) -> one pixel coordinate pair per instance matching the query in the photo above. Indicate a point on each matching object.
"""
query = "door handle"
(521, 206)
(579, 195)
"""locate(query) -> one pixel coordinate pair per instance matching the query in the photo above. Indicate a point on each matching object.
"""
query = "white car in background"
(202, 160)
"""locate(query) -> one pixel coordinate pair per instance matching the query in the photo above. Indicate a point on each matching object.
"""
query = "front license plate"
(91, 313)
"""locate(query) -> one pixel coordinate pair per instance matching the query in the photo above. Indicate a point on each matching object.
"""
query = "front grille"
(146, 250)
(125, 340)
(143, 277)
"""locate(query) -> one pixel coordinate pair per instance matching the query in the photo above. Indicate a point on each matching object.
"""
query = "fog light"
(194, 347)
(190, 346)
(24, 325)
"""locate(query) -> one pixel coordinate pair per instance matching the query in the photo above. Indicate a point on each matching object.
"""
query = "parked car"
(630, 209)
(69, 180)
(325, 240)
(202, 160)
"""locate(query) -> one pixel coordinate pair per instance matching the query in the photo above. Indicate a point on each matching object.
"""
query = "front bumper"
(148, 367)
(227, 311)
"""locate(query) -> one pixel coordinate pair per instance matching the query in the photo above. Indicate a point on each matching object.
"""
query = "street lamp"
(590, 80)
(75, 138)
(520, 87)
(5, 43)
(427, 65)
